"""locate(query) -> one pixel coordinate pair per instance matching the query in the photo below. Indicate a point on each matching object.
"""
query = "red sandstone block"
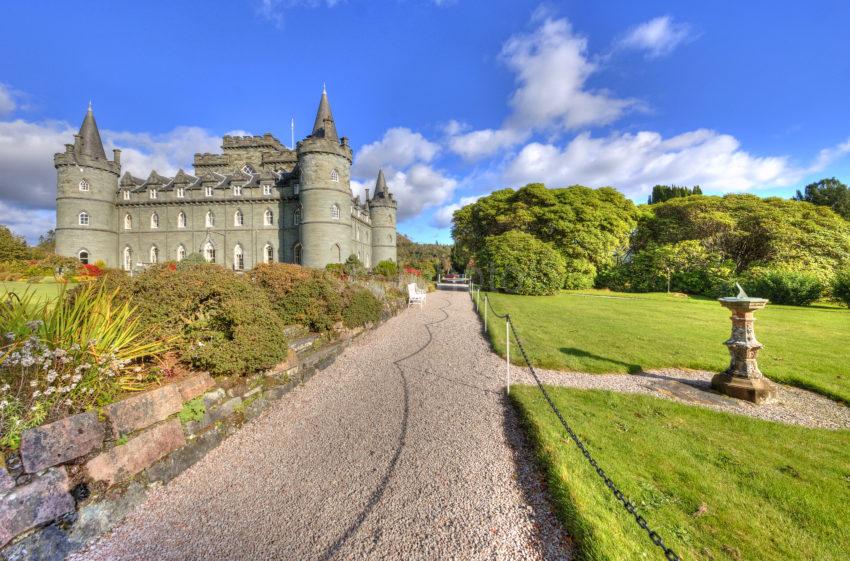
(144, 410)
(129, 459)
(42, 500)
(190, 388)
(62, 441)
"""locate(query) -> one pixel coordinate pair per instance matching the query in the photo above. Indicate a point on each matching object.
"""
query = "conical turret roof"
(381, 189)
(324, 127)
(90, 143)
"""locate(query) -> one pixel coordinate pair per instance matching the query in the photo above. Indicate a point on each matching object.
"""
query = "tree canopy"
(827, 192)
(11, 246)
(661, 193)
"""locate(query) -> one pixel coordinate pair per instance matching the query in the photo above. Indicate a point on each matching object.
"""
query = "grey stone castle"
(256, 202)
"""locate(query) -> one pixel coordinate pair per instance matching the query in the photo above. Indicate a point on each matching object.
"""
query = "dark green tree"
(827, 192)
(12, 247)
(661, 193)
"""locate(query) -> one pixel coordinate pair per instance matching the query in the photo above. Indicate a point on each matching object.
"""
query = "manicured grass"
(607, 332)
(45, 290)
(713, 485)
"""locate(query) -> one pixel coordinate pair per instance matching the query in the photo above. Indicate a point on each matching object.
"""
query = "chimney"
(367, 193)
(116, 156)
(78, 143)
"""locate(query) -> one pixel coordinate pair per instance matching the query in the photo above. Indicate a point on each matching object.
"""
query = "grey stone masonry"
(256, 202)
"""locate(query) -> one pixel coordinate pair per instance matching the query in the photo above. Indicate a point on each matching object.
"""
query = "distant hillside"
(430, 258)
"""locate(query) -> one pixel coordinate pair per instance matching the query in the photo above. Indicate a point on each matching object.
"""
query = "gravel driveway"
(404, 448)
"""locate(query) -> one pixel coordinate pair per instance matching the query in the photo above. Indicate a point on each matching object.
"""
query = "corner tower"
(382, 209)
(324, 162)
(86, 183)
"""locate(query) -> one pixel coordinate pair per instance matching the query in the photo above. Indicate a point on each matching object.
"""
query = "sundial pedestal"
(743, 379)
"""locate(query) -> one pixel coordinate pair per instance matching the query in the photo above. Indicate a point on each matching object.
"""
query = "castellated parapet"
(257, 201)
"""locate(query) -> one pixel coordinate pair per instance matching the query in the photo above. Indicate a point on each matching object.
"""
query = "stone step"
(303, 344)
(295, 331)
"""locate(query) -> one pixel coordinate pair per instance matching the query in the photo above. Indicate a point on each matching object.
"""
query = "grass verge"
(607, 332)
(715, 486)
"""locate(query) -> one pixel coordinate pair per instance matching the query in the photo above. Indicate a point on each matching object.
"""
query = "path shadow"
(581, 353)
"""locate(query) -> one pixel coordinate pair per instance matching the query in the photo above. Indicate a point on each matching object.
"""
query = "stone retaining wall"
(76, 478)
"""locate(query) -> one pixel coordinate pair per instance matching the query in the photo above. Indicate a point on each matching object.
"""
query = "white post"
(508, 353)
(485, 313)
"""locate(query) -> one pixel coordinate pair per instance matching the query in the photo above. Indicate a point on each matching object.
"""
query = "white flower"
(5, 388)
(76, 379)
(35, 394)
(137, 369)
(33, 383)
(49, 390)
(51, 376)
(3, 404)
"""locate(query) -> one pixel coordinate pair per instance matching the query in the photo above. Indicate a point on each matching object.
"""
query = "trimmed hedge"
(796, 288)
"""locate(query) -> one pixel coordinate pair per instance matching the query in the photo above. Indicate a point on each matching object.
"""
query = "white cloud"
(658, 36)
(165, 153)
(419, 188)
(443, 216)
(634, 163)
(481, 143)
(400, 147)
(27, 222)
(275, 10)
(7, 100)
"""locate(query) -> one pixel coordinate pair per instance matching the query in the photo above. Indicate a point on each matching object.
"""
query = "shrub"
(520, 263)
(225, 323)
(354, 267)
(386, 269)
(192, 260)
(336, 269)
(841, 287)
(796, 288)
(301, 295)
(362, 307)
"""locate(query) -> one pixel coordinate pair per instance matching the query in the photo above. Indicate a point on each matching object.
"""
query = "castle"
(256, 202)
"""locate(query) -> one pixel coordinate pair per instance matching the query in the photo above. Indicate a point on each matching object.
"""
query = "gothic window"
(209, 191)
(84, 218)
(296, 217)
(154, 220)
(237, 190)
(181, 192)
(128, 222)
(267, 189)
(181, 219)
(238, 258)
(84, 185)
(238, 218)
(181, 252)
(296, 254)
(84, 256)
(153, 193)
(128, 259)
(247, 169)
(154, 254)
(334, 211)
(210, 222)
(268, 253)
(126, 195)
(268, 217)
(209, 252)
(334, 175)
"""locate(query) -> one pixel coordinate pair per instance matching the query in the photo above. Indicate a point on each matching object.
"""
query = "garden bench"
(415, 295)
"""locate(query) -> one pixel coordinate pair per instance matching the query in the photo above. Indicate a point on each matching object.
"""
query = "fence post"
(508, 353)
(486, 305)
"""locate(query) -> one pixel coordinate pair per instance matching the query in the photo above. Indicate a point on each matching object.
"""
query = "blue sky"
(453, 98)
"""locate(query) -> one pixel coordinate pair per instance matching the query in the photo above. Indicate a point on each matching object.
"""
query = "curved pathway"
(404, 448)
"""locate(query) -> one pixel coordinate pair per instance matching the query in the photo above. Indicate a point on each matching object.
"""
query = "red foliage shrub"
(412, 271)
(92, 270)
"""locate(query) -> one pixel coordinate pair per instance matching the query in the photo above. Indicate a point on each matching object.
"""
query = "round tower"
(382, 209)
(86, 183)
(325, 193)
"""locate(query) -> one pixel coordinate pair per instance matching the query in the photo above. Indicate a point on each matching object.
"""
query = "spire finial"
(324, 89)
(89, 106)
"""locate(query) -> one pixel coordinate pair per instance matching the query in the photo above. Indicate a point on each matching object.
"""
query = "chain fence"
(628, 505)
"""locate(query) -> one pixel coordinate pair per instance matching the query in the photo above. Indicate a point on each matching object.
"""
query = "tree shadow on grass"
(580, 353)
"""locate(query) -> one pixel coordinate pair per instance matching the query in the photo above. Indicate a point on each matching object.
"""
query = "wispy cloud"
(657, 37)
(275, 10)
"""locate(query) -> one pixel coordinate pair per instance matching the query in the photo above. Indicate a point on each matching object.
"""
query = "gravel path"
(404, 448)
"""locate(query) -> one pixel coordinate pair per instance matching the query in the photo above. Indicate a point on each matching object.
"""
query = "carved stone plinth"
(743, 379)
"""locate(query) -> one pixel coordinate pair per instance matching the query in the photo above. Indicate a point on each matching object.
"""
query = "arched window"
(181, 252)
(238, 258)
(336, 253)
(209, 252)
(128, 222)
(84, 185)
(296, 217)
(84, 256)
(334, 175)
(268, 253)
(154, 254)
(334, 211)
(268, 217)
(181, 219)
(210, 222)
(238, 218)
(84, 218)
(128, 259)
(154, 220)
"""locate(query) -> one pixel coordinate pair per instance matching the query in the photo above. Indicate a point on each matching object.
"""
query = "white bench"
(414, 295)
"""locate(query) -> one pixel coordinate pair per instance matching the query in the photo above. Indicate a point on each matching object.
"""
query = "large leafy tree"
(827, 192)
(588, 227)
(11, 246)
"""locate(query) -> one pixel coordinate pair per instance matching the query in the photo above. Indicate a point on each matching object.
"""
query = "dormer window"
(153, 193)
(84, 185)
(181, 192)
(267, 189)
(237, 190)
(126, 195)
(335, 175)
(209, 191)
(247, 169)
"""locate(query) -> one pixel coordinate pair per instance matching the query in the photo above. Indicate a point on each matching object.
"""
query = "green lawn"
(606, 332)
(45, 290)
(715, 486)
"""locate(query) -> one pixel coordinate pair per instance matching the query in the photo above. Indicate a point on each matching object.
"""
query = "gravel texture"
(404, 448)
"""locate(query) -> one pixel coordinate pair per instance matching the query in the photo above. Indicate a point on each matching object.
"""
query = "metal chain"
(669, 554)
(489, 305)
